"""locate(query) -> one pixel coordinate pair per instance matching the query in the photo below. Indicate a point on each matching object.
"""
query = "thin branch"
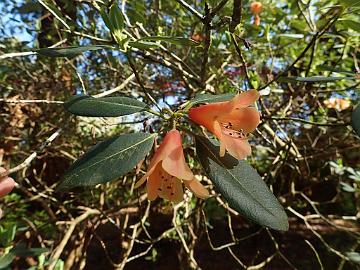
(308, 122)
(191, 9)
(29, 159)
(302, 54)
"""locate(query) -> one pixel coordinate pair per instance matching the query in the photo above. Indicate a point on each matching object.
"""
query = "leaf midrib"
(237, 181)
(132, 146)
(116, 104)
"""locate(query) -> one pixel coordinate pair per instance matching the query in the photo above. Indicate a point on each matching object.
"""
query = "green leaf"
(7, 234)
(108, 160)
(350, 3)
(346, 187)
(6, 260)
(241, 186)
(350, 24)
(143, 45)
(70, 51)
(355, 119)
(173, 40)
(353, 256)
(116, 18)
(314, 79)
(333, 69)
(105, 18)
(208, 98)
(22, 251)
(103, 107)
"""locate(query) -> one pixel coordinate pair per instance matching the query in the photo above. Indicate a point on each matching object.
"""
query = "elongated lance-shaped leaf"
(209, 98)
(355, 119)
(241, 186)
(71, 51)
(103, 107)
(108, 160)
(116, 19)
(315, 79)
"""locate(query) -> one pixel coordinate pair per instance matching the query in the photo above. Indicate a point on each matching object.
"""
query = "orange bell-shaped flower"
(230, 122)
(168, 170)
(256, 8)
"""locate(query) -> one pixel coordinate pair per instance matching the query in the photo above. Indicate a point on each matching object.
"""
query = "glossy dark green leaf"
(103, 107)
(208, 98)
(105, 17)
(241, 186)
(314, 79)
(355, 119)
(108, 160)
(173, 40)
(116, 18)
(70, 51)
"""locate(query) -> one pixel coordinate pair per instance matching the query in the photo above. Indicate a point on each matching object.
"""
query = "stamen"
(228, 130)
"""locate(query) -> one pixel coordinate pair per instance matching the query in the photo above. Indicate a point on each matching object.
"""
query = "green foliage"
(241, 186)
(355, 120)
(208, 98)
(315, 79)
(299, 57)
(103, 107)
(70, 51)
(108, 160)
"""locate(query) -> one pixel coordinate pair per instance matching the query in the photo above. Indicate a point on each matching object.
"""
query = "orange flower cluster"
(230, 121)
(256, 8)
(338, 104)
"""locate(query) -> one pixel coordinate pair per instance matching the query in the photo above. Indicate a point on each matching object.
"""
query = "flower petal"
(218, 134)
(197, 188)
(154, 183)
(245, 99)
(175, 193)
(175, 165)
(171, 141)
(238, 148)
(205, 115)
(6, 185)
(246, 119)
